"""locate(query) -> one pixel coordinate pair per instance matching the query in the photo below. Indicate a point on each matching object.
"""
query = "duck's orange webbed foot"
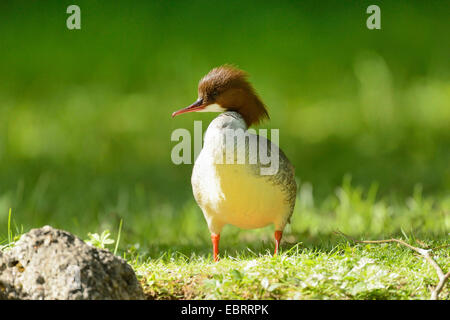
(215, 241)
(278, 234)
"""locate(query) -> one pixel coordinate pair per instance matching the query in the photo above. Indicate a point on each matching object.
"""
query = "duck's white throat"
(212, 108)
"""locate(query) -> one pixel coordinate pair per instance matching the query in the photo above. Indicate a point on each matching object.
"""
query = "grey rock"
(50, 264)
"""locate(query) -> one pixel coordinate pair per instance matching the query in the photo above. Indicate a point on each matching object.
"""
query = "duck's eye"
(211, 96)
(214, 94)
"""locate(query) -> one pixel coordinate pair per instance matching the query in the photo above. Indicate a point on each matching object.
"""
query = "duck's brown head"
(226, 88)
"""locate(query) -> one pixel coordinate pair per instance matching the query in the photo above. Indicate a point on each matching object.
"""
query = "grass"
(344, 272)
(315, 263)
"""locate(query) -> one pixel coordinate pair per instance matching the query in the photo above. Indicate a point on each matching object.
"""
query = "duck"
(229, 191)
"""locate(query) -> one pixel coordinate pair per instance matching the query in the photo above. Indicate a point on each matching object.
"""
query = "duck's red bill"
(196, 106)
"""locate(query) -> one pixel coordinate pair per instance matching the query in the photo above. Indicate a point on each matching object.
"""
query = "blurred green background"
(85, 114)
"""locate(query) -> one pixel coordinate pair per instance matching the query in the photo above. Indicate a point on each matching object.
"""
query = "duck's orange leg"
(278, 234)
(215, 241)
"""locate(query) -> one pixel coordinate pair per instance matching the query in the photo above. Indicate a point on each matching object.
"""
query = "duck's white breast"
(235, 194)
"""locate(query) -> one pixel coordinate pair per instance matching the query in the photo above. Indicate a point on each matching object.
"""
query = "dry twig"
(425, 253)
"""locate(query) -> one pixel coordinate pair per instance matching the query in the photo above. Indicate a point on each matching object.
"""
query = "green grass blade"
(9, 227)
(118, 237)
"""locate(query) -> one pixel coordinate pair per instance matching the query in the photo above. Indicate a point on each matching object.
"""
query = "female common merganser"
(237, 193)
